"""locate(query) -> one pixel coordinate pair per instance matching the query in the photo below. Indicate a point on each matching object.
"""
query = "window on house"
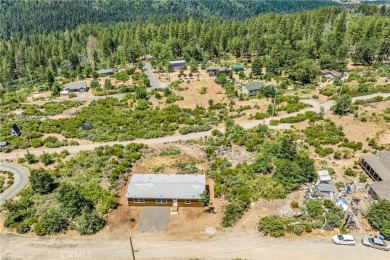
(161, 201)
(136, 200)
(187, 202)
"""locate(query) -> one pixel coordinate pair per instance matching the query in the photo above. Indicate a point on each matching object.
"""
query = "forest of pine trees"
(42, 16)
(284, 42)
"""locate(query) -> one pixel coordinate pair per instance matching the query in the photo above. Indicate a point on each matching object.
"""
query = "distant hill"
(19, 18)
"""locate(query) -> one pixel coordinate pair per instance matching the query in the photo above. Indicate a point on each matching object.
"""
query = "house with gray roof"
(105, 72)
(376, 166)
(180, 190)
(379, 190)
(79, 86)
(177, 64)
(252, 88)
(213, 71)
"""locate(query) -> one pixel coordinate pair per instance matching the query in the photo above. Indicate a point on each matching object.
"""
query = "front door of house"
(175, 202)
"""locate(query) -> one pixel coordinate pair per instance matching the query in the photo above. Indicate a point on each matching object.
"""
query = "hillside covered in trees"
(19, 18)
(285, 43)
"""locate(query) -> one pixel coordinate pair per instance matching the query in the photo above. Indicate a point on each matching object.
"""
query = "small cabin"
(15, 130)
(252, 88)
(238, 68)
(105, 72)
(177, 64)
(79, 86)
(214, 71)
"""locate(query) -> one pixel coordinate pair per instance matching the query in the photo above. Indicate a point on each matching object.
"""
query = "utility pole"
(349, 205)
(274, 110)
(132, 249)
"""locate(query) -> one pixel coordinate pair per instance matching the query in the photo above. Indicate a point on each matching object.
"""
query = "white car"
(375, 243)
(344, 240)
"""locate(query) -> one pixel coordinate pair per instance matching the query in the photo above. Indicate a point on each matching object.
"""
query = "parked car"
(344, 240)
(375, 243)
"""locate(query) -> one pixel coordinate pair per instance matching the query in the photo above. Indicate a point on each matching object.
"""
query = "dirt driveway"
(154, 219)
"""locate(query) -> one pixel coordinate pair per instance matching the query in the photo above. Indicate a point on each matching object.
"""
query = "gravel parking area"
(154, 219)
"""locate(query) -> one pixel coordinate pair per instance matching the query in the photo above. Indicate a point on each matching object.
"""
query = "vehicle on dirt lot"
(344, 240)
(375, 243)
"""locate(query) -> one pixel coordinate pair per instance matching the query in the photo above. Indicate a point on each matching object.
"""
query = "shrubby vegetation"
(313, 214)
(324, 133)
(278, 168)
(379, 216)
(49, 108)
(111, 120)
(72, 192)
(10, 180)
(308, 115)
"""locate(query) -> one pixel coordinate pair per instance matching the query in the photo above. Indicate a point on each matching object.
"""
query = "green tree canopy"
(343, 105)
(41, 181)
(379, 214)
(305, 71)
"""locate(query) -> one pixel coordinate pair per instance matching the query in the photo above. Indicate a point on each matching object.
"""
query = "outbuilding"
(238, 68)
(79, 86)
(331, 74)
(15, 130)
(105, 72)
(379, 190)
(180, 190)
(177, 64)
(252, 88)
(213, 71)
(377, 167)
(326, 190)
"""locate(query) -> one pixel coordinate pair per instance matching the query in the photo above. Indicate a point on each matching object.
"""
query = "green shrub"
(46, 158)
(349, 172)
(72, 95)
(323, 151)
(298, 230)
(89, 223)
(314, 208)
(317, 224)
(30, 158)
(272, 226)
(308, 228)
(337, 155)
(385, 229)
(378, 214)
(334, 216)
(39, 229)
(23, 228)
(294, 204)
(53, 221)
(363, 178)
(329, 204)
(41, 181)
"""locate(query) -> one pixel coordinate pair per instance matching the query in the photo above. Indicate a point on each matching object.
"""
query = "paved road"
(174, 138)
(20, 180)
(154, 82)
(243, 245)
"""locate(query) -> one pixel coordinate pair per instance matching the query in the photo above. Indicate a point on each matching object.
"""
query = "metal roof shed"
(324, 176)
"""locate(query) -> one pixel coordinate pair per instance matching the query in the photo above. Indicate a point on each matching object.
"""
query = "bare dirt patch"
(192, 97)
(375, 127)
